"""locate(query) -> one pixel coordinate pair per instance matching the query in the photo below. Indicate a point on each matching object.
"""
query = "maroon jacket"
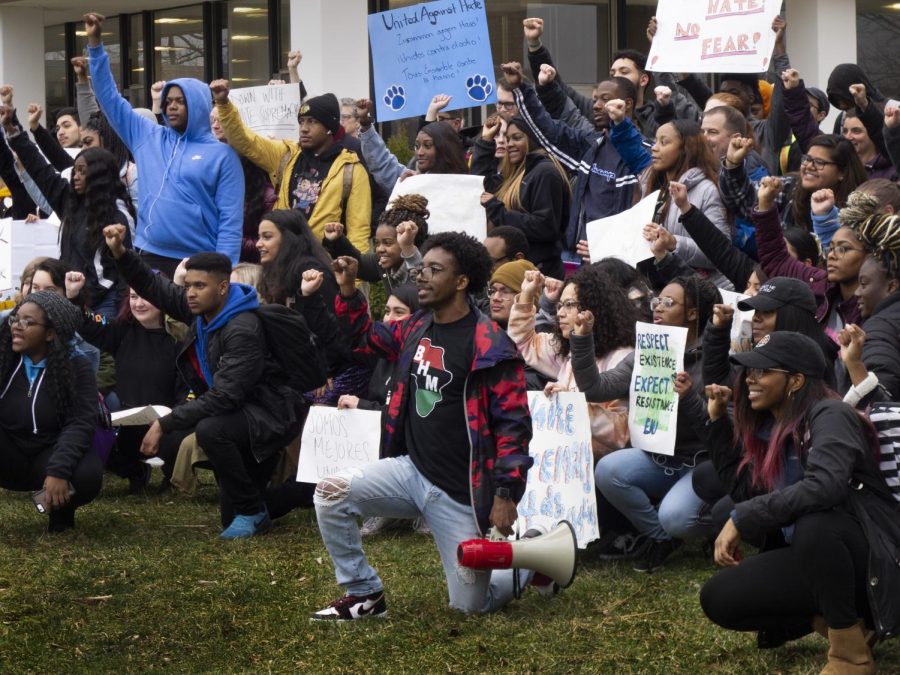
(496, 405)
(777, 262)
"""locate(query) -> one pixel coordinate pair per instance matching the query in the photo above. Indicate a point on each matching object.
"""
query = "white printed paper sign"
(269, 110)
(713, 36)
(622, 235)
(653, 403)
(454, 201)
(741, 324)
(561, 481)
(21, 242)
(334, 440)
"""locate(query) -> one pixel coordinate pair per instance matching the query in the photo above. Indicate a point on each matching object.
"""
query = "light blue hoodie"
(192, 186)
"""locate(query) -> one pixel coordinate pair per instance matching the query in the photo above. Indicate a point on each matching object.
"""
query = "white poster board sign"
(269, 110)
(622, 235)
(742, 322)
(561, 481)
(334, 440)
(713, 36)
(653, 403)
(454, 201)
(20, 243)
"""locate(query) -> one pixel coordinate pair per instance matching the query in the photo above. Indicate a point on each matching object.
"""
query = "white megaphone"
(553, 554)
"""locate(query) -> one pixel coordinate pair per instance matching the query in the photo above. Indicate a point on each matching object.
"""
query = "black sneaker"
(61, 520)
(655, 555)
(625, 547)
(352, 607)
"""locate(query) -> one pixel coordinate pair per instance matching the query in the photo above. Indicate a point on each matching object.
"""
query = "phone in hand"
(42, 502)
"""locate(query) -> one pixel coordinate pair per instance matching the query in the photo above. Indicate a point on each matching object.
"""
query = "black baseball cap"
(784, 349)
(778, 292)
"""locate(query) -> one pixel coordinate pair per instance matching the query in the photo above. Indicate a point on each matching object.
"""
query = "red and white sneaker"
(352, 607)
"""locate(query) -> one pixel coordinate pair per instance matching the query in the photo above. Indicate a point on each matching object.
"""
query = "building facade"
(247, 41)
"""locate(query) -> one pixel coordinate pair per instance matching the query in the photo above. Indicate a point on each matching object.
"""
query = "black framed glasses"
(815, 161)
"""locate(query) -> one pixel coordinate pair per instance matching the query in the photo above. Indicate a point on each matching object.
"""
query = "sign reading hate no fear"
(439, 47)
(707, 36)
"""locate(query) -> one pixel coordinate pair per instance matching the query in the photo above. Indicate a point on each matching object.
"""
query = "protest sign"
(724, 36)
(561, 481)
(439, 47)
(334, 440)
(653, 403)
(21, 242)
(454, 201)
(622, 235)
(741, 324)
(270, 110)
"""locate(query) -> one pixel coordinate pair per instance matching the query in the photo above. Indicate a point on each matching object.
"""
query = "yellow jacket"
(268, 154)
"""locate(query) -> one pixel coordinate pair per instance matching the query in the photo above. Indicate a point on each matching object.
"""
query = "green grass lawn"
(144, 585)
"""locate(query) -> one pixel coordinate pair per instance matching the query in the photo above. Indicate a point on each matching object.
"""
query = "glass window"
(286, 45)
(879, 53)
(112, 43)
(178, 51)
(55, 67)
(246, 44)
(637, 15)
(137, 91)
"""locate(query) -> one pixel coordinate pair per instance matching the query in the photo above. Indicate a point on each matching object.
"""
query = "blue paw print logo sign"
(478, 88)
(395, 97)
(420, 51)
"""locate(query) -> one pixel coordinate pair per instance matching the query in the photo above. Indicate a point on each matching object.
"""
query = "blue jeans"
(633, 483)
(394, 488)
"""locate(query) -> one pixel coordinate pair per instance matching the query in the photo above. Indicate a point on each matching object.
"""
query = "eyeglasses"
(815, 161)
(344, 118)
(756, 373)
(668, 303)
(841, 250)
(502, 292)
(425, 273)
(567, 306)
(24, 322)
(502, 105)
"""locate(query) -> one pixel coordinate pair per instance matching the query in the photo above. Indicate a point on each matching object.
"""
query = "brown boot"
(849, 653)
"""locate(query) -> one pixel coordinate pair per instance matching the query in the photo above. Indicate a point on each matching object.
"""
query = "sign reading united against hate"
(653, 403)
(439, 47)
(561, 481)
(709, 36)
(336, 439)
(269, 110)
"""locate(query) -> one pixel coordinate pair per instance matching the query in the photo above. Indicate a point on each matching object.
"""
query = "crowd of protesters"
(227, 276)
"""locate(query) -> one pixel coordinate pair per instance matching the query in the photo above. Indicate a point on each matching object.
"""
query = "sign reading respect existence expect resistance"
(709, 36)
(439, 47)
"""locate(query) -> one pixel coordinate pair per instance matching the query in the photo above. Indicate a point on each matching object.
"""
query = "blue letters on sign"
(439, 47)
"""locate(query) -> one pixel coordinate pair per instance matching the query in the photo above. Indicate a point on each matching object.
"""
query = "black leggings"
(823, 571)
(22, 472)
(126, 459)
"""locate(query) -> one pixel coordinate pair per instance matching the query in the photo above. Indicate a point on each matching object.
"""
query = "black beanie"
(325, 109)
(64, 317)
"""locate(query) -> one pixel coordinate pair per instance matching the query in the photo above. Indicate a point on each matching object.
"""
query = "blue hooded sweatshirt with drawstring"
(241, 298)
(191, 192)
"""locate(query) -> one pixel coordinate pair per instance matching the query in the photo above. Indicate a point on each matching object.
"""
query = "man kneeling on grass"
(244, 411)
(452, 364)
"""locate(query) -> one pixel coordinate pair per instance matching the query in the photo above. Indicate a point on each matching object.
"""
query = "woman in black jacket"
(287, 249)
(788, 459)
(145, 357)
(872, 353)
(48, 409)
(534, 197)
(94, 198)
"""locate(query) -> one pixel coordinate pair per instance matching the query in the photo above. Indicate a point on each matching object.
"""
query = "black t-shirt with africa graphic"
(437, 431)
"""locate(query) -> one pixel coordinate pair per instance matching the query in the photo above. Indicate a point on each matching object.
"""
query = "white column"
(22, 55)
(813, 27)
(334, 38)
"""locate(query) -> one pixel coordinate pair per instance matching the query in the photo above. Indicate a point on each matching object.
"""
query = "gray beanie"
(64, 317)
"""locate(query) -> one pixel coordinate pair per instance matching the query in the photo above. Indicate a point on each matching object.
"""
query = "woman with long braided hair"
(872, 353)
(401, 230)
(48, 409)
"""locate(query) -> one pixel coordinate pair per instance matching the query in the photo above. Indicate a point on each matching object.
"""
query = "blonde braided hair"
(880, 235)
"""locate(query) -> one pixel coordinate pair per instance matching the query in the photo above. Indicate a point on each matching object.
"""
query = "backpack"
(293, 345)
(886, 418)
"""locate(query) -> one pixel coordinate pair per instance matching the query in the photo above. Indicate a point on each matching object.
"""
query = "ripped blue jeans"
(394, 488)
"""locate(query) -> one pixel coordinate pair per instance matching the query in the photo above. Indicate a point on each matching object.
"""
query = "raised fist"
(220, 90)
